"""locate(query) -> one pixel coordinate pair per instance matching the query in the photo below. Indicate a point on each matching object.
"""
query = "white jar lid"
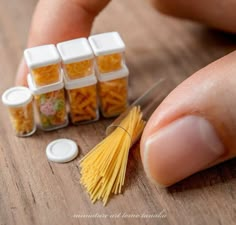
(106, 43)
(75, 50)
(62, 150)
(44, 89)
(81, 82)
(17, 96)
(41, 56)
(123, 72)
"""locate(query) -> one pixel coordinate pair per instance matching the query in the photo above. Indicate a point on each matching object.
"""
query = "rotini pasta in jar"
(51, 105)
(109, 51)
(44, 64)
(77, 57)
(113, 93)
(20, 108)
(83, 102)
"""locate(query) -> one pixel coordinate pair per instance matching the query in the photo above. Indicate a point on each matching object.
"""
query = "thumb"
(195, 126)
(59, 20)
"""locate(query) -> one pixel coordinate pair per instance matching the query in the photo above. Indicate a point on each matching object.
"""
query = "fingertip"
(179, 149)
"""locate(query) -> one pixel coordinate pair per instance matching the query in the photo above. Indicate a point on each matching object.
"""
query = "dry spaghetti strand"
(103, 168)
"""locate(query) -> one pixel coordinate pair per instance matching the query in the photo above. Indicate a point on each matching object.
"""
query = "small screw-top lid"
(44, 89)
(75, 50)
(62, 150)
(106, 43)
(81, 82)
(17, 96)
(103, 77)
(41, 56)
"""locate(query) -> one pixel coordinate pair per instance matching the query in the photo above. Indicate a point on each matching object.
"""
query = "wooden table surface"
(35, 191)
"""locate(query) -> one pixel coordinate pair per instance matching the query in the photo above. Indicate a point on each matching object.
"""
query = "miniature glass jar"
(44, 64)
(109, 51)
(113, 92)
(77, 57)
(82, 95)
(50, 103)
(20, 108)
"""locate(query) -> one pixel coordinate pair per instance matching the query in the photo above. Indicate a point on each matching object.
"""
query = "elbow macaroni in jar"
(20, 108)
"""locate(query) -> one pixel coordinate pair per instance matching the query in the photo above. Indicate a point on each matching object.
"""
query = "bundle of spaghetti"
(103, 169)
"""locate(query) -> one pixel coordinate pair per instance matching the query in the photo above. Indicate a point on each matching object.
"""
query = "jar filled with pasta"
(109, 51)
(20, 108)
(82, 95)
(77, 57)
(113, 92)
(44, 64)
(51, 104)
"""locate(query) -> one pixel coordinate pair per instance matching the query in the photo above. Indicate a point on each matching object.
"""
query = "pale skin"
(182, 137)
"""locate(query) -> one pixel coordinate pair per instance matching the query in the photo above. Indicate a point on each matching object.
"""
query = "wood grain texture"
(35, 191)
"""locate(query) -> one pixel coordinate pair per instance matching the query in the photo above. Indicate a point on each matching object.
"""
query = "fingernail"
(181, 149)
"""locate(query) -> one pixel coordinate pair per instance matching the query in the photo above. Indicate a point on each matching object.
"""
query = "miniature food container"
(50, 103)
(44, 64)
(77, 57)
(20, 108)
(109, 51)
(113, 92)
(82, 95)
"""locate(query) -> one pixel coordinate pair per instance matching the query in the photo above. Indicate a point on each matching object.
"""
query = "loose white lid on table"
(17, 96)
(80, 83)
(44, 89)
(123, 72)
(41, 56)
(62, 150)
(106, 43)
(75, 50)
